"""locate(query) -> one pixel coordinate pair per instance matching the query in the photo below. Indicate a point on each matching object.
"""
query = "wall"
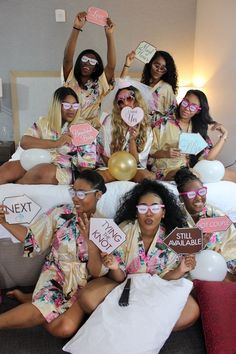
(214, 60)
(30, 39)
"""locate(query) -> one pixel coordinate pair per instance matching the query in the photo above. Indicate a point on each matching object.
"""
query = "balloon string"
(230, 164)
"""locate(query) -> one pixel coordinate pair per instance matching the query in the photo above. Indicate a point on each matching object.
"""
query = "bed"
(221, 194)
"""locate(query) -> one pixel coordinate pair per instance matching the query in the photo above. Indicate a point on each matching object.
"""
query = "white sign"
(191, 143)
(144, 52)
(21, 209)
(106, 235)
(132, 116)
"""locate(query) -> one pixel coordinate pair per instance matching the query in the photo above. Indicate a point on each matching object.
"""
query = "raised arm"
(214, 152)
(128, 62)
(111, 51)
(17, 230)
(69, 52)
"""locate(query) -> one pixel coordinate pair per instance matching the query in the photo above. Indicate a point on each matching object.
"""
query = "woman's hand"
(220, 128)
(80, 20)
(109, 261)
(134, 131)
(64, 139)
(109, 28)
(84, 224)
(3, 212)
(173, 153)
(130, 58)
(187, 264)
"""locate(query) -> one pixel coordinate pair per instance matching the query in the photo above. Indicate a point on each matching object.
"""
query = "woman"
(193, 195)
(148, 213)
(67, 267)
(192, 116)
(116, 135)
(89, 79)
(161, 75)
(52, 132)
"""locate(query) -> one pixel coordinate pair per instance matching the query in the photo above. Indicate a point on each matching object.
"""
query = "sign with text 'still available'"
(106, 235)
(186, 240)
(20, 209)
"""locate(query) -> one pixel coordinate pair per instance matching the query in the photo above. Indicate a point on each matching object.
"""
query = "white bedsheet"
(221, 194)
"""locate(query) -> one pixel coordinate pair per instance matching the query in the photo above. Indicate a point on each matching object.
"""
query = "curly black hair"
(171, 75)
(174, 216)
(200, 120)
(183, 176)
(99, 68)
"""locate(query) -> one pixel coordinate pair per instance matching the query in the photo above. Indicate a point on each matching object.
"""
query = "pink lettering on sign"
(132, 116)
(83, 134)
(106, 235)
(97, 16)
(218, 223)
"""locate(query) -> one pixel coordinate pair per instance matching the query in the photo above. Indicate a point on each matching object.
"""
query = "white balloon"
(210, 171)
(210, 266)
(32, 157)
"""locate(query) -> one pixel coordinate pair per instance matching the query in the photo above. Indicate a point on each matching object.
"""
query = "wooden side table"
(7, 148)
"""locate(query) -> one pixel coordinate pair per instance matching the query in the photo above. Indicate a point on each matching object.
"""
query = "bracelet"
(223, 137)
(126, 66)
(78, 29)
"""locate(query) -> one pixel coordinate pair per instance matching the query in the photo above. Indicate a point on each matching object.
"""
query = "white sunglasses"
(67, 105)
(91, 61)
(80, 194)
(155, 208)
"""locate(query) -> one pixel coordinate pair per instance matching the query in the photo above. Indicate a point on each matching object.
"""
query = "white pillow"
(140, 328)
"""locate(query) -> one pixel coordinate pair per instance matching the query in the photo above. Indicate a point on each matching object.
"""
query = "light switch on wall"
(60, 15)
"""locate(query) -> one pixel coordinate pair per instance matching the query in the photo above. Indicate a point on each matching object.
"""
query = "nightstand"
(7, 148)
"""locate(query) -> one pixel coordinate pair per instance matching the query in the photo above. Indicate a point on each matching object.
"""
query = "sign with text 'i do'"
(106, 235)
(20, 209)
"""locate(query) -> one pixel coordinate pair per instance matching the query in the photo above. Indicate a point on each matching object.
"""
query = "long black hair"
(174, 216)
(170, 76)
(200, 120)
(99, 67)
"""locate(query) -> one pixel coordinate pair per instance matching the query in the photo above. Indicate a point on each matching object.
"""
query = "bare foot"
(20, 296)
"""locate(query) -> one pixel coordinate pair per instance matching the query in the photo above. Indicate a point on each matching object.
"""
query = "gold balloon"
(122, 166)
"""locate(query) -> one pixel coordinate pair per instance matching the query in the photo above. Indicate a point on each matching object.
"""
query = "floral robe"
(66, 157)
(90, 98)
(132, 257)
(65, 269)
(163, 101)
(166, 135)
(223, 242)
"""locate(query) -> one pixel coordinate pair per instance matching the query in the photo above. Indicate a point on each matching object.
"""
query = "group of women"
(147, 214)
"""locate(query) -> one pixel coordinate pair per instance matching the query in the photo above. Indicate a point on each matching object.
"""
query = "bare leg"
(142, 174)
(20, 296)
(189, 315)
(22, 316)
(11, 171)
(230, 175)
(95, 292)
(68, 323)
(44, 173)
(106, 175)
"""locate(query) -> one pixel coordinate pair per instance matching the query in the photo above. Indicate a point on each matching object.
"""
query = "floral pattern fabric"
(163, 102)
(90, 98)
(132, 257)
(65, 269)
(223, 242)
(68, 156)
(166, 135)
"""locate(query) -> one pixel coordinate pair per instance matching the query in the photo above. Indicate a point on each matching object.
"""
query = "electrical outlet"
(60, 15)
